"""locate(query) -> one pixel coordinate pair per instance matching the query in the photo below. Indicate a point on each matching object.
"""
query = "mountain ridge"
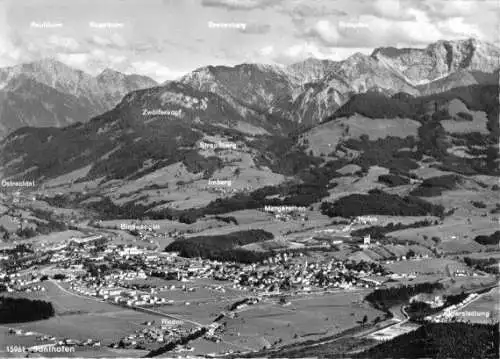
(94, 95)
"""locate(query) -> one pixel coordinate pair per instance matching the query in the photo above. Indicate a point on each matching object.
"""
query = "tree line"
(20, 310)
(386, 297)
(492, 239)
(488, 265)
(223, 247)
(377, 202)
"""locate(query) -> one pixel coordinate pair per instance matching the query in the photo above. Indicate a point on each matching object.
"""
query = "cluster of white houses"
(120, 295)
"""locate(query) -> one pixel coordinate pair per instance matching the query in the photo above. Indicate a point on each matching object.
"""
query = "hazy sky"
(167, 38)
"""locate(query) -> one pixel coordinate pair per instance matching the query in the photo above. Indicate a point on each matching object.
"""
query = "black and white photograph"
(250, 179)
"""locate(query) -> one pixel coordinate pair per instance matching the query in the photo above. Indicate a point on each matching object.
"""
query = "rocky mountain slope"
(357, 74)
(439, 67)
(310, 70)
(59, 92)
(254, 90)
(160, 126)
(440, 59)
(26, 102)
(460, 78)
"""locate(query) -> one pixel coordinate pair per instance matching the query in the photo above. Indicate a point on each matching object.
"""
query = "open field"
(277, 244)
(81, 318)
(68, 178)
(201, 311)
(460, 246)
(165, 225)
(457, 285)
(249, 216)
(65, 302)
(276, 227)
(348, 185)
(384, 252)
(461, 199)
(478, 124)
(455, 234)
(57, 211)
(484, 255)
(269, 323)
(426, 266)
(425, 172)
(452, 285)
(107, 327)
(9, 223)
(185, 190)
(423, 278)
(325, 137)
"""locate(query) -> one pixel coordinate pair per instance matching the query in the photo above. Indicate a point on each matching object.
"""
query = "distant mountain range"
(255, 105)
(309, 91)
(48, 93)
(440, 59)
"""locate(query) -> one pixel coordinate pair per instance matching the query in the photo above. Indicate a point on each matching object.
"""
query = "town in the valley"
(117, 287)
